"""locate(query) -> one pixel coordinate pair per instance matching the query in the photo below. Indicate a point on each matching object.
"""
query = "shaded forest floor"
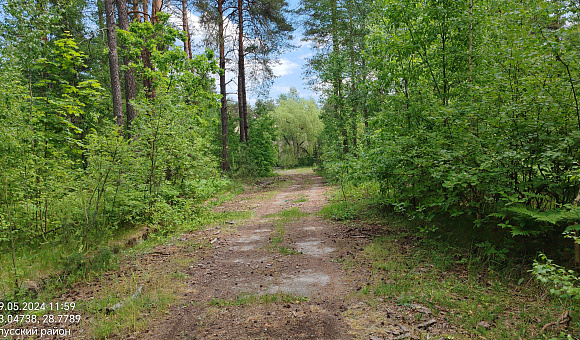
(279, 270)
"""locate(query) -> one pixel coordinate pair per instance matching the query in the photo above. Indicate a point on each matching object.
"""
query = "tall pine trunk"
(130, 86)
(136, 12)
(242, 105)
(223, 91)
(114, 63)
(146, 55)
(187, 42)
(355, 100)
(155, 8)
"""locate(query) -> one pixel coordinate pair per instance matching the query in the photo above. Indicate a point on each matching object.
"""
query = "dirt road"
(275, 276)
(284, 273)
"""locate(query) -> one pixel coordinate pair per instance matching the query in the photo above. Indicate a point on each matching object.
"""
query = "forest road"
(278, 275)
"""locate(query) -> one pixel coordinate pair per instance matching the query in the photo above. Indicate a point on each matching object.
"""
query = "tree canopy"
(299, 126)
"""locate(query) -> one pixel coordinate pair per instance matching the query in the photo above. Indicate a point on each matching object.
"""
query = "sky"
(289, 71)
(291, 68)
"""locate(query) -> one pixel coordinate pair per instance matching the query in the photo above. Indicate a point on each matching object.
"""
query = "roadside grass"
(68, 263)
(48, 271)
(288, 215)
(288, 251)
(250, 299)
(277, 236)
(485, 296)
(143, 294)
(470, 294)
(350, 202)
(224, 196)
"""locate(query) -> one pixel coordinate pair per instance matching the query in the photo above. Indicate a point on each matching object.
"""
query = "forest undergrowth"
(487, 293)
(53, 267)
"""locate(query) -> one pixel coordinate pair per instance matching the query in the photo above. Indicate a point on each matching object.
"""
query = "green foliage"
(299, 124)
(490, 252)
(463, 116)
(257, 157)
(291, 214)
(340, 211)
(564, 282)
(69, 179)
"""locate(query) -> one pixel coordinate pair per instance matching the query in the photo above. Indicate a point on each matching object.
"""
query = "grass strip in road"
(277, 238)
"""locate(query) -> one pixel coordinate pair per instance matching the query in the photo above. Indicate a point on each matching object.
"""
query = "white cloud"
(299, 43)
(285, 67)
(252, 101)
(306, 44)
(195, 29)
(277, 89)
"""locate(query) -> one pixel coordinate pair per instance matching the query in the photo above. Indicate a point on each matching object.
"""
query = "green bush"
(257, 157)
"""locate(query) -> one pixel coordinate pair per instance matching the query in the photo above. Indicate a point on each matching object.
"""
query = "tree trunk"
(354, 131)
(147, 82)
(444, 61)
(100, 11)
(246, 123)
(146, 56)
(130, 86)
(113, 63)
(355, 100)
(136, 12)
(13, 247)
(155, 8)
(187, 42)
(241, 108)
(145, 9)
(241, 75)
(337, 81)
(223, 91)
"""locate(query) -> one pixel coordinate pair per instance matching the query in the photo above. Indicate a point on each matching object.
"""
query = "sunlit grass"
(296, 171)
(289, 214)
